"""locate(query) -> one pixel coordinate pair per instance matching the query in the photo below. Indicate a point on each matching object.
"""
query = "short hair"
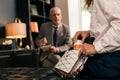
(53, 8)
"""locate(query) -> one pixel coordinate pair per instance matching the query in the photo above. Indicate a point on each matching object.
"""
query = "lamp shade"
(15, 30)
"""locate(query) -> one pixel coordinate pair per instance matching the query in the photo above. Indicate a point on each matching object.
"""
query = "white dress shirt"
(105, 25)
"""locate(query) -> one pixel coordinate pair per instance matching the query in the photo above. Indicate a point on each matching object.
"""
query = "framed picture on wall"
(34, 9)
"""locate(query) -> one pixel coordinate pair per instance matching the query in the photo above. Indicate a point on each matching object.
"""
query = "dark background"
(7, 14)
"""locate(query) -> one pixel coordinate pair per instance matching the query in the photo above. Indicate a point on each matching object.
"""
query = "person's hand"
(75, 70)
(83, 34)
(43, 41)
(88, 49)
(72, 74)
(53, 49)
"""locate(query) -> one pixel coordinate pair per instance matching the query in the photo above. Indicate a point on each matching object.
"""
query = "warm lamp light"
(15, 31)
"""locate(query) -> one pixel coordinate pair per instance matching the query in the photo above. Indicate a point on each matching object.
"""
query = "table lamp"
(16, 31)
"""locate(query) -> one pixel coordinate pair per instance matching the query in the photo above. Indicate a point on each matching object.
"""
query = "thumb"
(83, 39)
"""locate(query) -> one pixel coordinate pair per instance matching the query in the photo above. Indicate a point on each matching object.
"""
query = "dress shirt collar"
(57, 26)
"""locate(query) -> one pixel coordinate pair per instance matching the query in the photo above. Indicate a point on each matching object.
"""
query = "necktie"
(55, 36)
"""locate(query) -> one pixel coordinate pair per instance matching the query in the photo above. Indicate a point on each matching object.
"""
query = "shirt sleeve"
(40, 35)
(110, 40)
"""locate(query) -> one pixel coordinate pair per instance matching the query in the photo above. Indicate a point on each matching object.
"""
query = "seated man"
(57, 35)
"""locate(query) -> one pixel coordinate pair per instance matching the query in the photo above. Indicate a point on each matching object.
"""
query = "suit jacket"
(64, 41)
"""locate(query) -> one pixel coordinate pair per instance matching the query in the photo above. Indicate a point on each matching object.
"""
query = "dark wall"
(7, 14)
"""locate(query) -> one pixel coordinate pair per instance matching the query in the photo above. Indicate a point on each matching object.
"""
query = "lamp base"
(17, 46)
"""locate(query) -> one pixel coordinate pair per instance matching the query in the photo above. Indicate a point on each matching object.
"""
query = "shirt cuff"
(99, 48)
